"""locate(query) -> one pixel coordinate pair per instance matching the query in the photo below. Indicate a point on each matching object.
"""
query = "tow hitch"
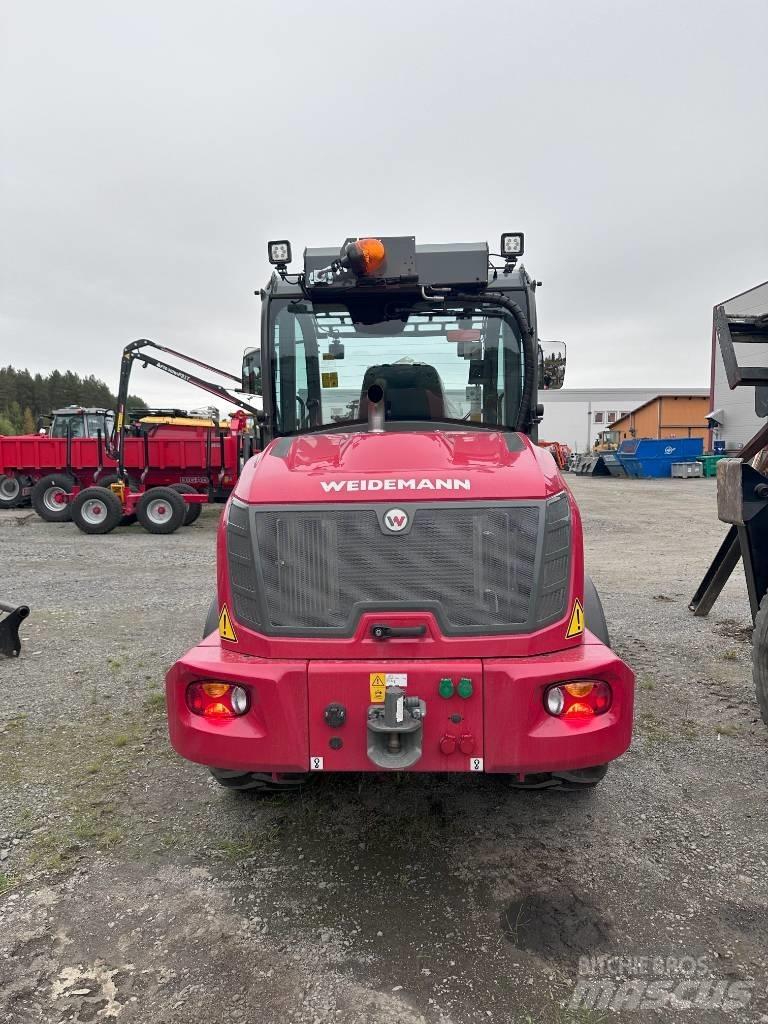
(395, 729)
(10, 644)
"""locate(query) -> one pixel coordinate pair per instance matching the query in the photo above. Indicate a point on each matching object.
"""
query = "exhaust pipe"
(376, 409)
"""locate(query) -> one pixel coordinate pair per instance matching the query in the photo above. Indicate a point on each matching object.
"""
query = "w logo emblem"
(395, 520)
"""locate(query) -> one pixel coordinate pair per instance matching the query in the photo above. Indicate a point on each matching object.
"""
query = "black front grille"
(313, 570)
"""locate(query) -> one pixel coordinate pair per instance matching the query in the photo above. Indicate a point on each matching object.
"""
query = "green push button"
(465, 688)
(445, 689)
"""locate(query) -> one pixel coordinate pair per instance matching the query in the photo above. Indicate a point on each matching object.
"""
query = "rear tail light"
(218, 700)
(583, 698)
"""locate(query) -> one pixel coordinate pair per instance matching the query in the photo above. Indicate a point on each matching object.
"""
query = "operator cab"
(77, 422)
(448, 337)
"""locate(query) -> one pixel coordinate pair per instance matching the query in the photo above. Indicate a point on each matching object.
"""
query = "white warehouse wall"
(570, 414)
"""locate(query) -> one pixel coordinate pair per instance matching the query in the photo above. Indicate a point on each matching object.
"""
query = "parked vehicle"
(164, 448)
(401, 577)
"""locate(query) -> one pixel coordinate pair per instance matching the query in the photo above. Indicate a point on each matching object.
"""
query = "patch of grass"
(727, 729)
(242, 849)
(5, 881)
(689, 729)
(730, 655)
(563, 1016)
(652, 727)
(646, 684)
(114, 663)
(155, 701)
(514, 925)
(121, 740)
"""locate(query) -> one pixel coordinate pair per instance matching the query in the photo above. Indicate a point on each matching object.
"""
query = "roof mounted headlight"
(279, 252)
(512, 244)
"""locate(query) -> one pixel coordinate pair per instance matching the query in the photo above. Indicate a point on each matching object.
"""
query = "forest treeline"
(24, 397)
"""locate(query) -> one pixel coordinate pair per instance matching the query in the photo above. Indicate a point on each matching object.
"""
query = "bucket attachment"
(10, 644)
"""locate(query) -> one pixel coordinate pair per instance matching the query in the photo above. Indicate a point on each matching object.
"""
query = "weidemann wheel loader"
(400, 568)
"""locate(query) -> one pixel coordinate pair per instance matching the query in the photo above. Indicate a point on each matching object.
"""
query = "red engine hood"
(397, 467)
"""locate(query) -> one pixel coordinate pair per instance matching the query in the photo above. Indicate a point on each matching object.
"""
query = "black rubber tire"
(574, 781)
(10, 492)
(42, 497)
(594, 615)
(760, 658)
(259, 782)
(173, 505)
(212, 618)
(107, 479)
(85, 514)
(192, 511)
(111, 478)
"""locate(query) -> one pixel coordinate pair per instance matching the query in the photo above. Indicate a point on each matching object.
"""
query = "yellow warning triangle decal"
(226, 629)
(576, 624)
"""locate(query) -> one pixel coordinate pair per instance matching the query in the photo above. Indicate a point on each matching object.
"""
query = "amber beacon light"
(363, 257)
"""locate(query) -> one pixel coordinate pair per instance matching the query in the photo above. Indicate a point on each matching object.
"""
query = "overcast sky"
(150, 149)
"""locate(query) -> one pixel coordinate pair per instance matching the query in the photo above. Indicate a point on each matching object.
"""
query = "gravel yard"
(133, 887)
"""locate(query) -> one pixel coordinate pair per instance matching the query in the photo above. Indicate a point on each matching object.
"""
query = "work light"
(279, 252)
(512, 244)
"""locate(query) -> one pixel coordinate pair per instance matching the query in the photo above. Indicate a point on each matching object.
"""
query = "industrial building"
(576, 416)
(674, 416)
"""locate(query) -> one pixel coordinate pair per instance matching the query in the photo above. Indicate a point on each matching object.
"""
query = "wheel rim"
(9, 488)
(55, 498)
(159, 511)
(93, 511)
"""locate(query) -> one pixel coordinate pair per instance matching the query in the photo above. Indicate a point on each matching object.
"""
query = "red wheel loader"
(400, 572)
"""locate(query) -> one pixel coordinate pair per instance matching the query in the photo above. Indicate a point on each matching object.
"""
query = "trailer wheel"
(10, 492)
(191, 510)
(161, 510)
(573, 781)
(259, 782)
(96, 510)
(49, 497)
(111, 478)
(760, 658)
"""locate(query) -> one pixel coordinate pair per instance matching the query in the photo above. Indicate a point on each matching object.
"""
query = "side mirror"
(552, 355)
(252, 371)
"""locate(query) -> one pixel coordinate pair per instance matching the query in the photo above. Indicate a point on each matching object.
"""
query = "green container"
(709, 463)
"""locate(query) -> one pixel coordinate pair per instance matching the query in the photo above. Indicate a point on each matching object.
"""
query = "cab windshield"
(436, 364)
(80, 425)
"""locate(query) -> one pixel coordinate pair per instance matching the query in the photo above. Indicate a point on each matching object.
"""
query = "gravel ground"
(134, 888)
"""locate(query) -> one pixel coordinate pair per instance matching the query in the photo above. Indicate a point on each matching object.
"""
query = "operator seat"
(412, 391)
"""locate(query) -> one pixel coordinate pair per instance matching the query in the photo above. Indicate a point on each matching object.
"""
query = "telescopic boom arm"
(134, 351)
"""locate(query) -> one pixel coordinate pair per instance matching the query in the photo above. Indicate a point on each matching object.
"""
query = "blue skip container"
(646, 457)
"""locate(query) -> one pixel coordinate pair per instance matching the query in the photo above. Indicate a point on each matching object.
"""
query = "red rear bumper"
(501, 727)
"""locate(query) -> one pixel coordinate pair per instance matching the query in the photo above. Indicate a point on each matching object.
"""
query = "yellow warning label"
(378, 687)
(576, 624)
(330, 380)
(226, 629)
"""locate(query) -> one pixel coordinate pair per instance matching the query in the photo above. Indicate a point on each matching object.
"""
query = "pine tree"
(27, 421)
(24, 398)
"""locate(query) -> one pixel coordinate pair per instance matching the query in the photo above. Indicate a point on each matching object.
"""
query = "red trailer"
(189, 453)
